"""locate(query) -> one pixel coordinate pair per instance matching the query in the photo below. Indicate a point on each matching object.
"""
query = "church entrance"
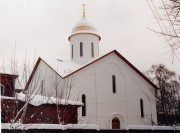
(115, 123)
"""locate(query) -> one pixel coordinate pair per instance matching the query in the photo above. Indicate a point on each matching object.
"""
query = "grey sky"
(43, 26)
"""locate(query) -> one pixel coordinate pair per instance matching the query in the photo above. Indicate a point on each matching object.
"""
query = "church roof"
(66, 68)
(84, 26)
(62, 67)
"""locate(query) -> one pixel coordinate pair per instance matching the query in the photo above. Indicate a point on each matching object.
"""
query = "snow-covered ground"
(140, 127)
(47, 126)
(80, 126)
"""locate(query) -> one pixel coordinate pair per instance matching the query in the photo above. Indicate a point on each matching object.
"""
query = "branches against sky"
(166, 13)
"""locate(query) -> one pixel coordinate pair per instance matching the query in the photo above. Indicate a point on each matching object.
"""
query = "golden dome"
(84, 27)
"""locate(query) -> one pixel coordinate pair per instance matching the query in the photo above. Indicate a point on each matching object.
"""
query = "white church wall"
(35, 86)
(46, 82)
(125, 103)
(114, 103)
(138, 89)
(107, 102)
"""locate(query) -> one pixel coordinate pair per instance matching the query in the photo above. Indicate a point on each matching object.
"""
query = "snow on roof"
(6, 97)
(38, 100)
(47, 126)
(62, 67)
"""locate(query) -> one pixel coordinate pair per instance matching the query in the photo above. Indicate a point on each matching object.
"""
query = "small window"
(2, 89)
(142, 108)
(92, 49)
(114, 84)
(84, 105)
(81, 49)
(72, 51)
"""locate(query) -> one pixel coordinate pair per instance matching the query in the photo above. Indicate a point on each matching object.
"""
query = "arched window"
(114, 84)
(142, 108)
(115, 123)
(72, 51)
(92, 49)
(84, 105)
(81, 49)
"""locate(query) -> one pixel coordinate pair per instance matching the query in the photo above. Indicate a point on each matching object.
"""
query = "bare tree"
(24, 73)
(168, 95)
(62, 88)
(167, 15)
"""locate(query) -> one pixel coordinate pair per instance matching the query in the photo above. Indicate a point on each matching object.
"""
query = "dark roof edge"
(88, 64)
(135, 69)
(34, 70)
(32, 74)
(51, 68)
(125, 60)
(114, 51)
(84, 33)
(11, 75)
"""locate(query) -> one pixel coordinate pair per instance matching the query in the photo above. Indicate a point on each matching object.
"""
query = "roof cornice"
(114, 51)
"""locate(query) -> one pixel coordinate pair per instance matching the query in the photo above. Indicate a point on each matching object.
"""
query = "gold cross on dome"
(83, 9)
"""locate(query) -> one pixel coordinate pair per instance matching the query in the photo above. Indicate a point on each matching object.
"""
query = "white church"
(114, 93)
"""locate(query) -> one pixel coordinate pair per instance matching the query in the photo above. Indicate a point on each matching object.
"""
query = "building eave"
(84, 33)
(124, 59)
(114, 51)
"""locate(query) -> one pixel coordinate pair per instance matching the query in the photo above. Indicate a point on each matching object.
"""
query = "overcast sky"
(42, 27)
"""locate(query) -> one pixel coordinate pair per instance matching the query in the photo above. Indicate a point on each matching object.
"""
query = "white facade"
(95, 81)
(103, 105)
(113, 88)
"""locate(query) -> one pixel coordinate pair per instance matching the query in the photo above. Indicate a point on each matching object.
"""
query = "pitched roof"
(60, 66)
(38, 100)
